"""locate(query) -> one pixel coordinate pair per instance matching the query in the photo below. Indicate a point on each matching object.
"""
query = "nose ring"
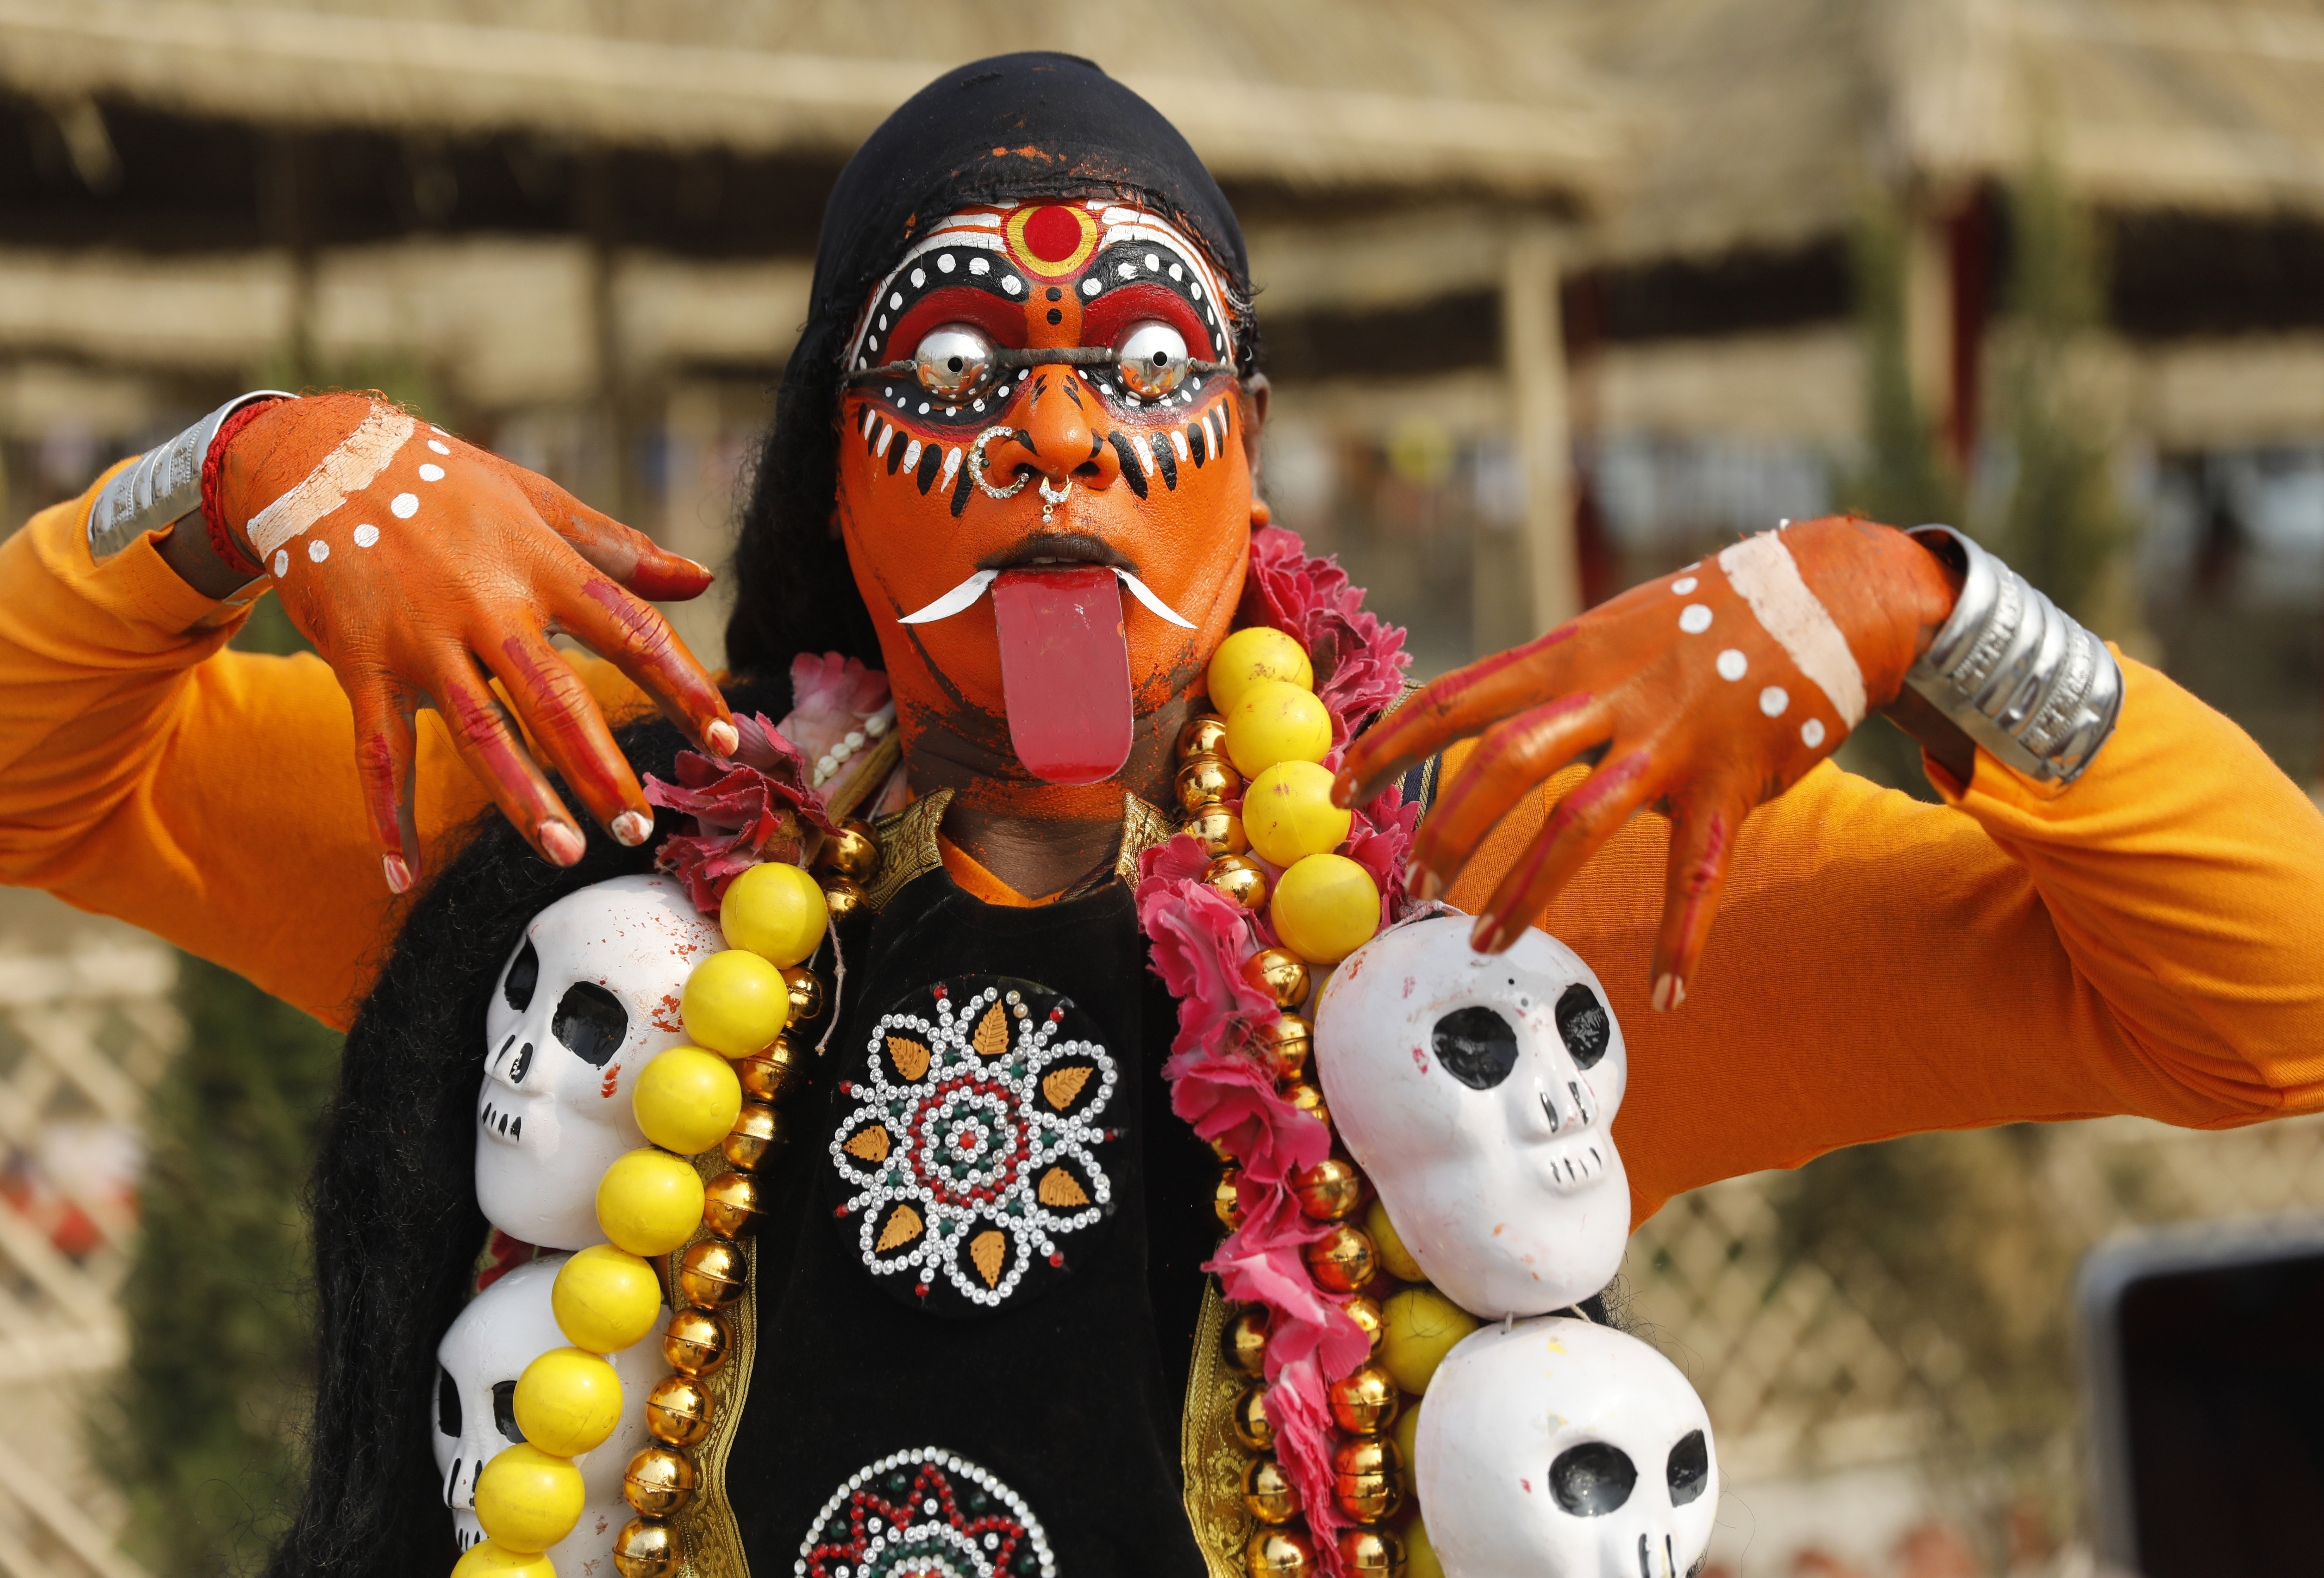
(976, 465)
(1049, 501)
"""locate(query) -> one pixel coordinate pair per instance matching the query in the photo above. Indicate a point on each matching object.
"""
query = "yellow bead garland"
(650, 1203)
(1274, 733)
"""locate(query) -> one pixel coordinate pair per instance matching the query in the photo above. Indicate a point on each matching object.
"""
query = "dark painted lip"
(1059, 551)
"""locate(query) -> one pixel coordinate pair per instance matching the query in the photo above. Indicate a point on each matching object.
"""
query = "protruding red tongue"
(1064, 671)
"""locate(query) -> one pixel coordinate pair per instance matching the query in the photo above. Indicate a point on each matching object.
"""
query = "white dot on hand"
(1811, 733)
(440, 447)
(1694, 619)
(281, 562)
(1732, 664)
(366, 535)
(404, 506)
(319, 551)
(1683, 585)
(1774, 701)
(431, 471)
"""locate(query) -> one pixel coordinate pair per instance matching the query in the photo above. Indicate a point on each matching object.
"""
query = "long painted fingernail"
(1422, 883)
(631, 828)
(722, 737)
(1486, 936)
(563, 842)
(398, 875)
(1669, 993)
(699, 565)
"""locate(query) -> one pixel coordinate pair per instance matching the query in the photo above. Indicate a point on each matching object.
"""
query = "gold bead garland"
(1368, 1481)
(711, 1275)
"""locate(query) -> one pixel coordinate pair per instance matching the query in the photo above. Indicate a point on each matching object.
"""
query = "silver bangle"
(164, 485)
(2034, 689)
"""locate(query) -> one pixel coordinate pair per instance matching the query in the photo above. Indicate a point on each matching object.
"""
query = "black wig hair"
(396, 1228)
(1023, 126)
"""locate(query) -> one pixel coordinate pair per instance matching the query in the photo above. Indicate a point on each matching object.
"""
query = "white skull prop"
(1476, 1090)
(1554, 1448)
(588, 998)
(503, 1329)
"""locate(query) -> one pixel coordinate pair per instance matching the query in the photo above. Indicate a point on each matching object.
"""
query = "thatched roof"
(1476, 93)
(1764, 121)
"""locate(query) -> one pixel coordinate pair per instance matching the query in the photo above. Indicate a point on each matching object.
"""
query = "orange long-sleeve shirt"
(2151, 942)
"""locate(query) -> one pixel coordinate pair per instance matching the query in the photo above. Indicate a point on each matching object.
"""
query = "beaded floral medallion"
(925, 1514)
(971, 1160)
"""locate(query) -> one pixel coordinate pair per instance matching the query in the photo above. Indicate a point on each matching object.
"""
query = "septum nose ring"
(1049, 501)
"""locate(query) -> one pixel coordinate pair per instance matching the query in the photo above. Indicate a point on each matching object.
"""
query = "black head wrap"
(1025, 126)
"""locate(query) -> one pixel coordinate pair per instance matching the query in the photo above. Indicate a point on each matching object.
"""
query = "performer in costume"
(2144, 941)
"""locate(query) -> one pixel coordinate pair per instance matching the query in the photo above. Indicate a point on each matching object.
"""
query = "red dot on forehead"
(1053, 234)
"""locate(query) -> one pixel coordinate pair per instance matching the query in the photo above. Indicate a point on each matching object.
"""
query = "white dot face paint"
(439, 446)
(920, 278)
(1694, 619)
(1683, 585)
(977, 265)
(366, 535)
(1092, 286)
(1012, 284)
(1811, 733)
(1732, 664)
(319, 551)
(945, 263)
(431, 471)
(404, 506)
(1774, 701)
(281, 562)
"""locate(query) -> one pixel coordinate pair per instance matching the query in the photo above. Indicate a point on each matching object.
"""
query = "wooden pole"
(1533, 350)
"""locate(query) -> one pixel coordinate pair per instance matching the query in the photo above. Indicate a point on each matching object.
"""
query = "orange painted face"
(1036, 390)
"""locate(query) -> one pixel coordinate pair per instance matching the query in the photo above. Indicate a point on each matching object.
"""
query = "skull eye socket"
(1585, 1025)
(523, 976)
(448, 1403)
(1477, 1046)
(1690, 1468)
(504, 1409)
(1594, 1479)
(590, 1023)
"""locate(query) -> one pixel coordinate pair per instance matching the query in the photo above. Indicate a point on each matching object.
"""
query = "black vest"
(985, 1239)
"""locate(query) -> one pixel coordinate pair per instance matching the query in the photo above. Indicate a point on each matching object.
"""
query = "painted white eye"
(1153, 359)
(953, 359)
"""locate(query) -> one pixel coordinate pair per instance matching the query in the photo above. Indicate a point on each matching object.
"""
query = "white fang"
(960, 598)
(1154, 603)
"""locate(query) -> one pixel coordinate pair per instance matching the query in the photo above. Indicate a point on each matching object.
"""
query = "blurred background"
(1555, 295)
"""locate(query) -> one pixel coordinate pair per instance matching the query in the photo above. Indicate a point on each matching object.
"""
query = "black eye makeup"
(1148, 319)
(978, 268)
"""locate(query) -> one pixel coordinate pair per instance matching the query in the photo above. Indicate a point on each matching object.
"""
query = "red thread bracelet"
(222, 541)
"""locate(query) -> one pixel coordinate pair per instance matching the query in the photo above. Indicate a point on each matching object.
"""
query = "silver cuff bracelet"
(165, 483)
(2027, 684)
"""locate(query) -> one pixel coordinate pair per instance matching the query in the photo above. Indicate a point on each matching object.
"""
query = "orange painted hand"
(1700, 696)
(423, 568)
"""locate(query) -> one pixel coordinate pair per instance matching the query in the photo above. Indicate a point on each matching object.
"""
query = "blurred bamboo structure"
(1555, 295)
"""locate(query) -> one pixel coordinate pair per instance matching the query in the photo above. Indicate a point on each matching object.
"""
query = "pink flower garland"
(1218, 1084)
(756, 807)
